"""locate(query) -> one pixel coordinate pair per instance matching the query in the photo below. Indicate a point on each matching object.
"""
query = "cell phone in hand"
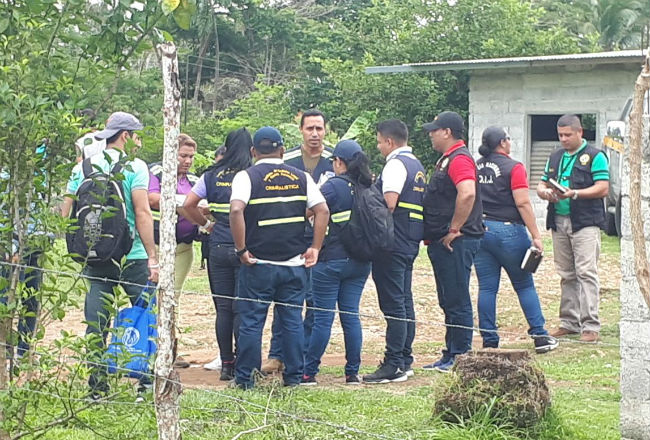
(558, 186)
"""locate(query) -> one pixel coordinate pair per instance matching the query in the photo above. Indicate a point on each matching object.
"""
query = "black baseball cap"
(451, 120)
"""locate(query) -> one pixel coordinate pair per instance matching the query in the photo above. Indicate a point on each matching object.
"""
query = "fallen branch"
(250, 431)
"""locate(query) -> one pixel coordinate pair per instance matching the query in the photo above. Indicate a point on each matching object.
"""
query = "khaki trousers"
(576, 260)
(184, 259)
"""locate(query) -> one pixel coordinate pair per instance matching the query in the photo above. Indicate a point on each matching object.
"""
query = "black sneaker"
(308, 381)
(227, 371)
(353, 379)
(545, 343)
(385, 374)
(143, 389)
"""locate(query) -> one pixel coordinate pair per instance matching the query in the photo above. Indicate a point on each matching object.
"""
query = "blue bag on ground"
(133, 342)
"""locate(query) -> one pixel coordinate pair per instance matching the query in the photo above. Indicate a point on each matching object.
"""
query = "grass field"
(583, 379)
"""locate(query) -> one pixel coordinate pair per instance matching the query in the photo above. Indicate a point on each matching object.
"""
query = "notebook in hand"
(557, 185)
(531, 260)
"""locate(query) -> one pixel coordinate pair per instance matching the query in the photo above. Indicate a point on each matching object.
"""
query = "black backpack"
(370, 229)
(101, 232)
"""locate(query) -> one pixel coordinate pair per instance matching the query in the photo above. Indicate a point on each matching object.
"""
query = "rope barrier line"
(359, 314)
(278, 413)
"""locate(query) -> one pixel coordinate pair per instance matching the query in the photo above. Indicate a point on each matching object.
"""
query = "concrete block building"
(527, 95)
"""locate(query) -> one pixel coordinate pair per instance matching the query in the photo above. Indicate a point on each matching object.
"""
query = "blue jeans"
(451, 271)
(392, 274)
(337, 281)
(504, 246)
(275, 351)
(268, 282)
(99, 303)
(27, 319)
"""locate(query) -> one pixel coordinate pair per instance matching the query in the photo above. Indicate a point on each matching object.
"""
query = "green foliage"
(600, 24)
(267, 105)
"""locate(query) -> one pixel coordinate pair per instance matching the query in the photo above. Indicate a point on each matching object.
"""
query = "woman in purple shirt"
(186, 231)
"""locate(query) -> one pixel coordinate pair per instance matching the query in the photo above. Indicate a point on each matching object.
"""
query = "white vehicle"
(614, 143)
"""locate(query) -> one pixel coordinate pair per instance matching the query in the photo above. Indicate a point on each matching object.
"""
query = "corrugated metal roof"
(622, 56)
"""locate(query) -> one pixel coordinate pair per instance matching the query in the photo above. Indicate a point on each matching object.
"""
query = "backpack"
(133, 342)
(370, 228)
(101, 232)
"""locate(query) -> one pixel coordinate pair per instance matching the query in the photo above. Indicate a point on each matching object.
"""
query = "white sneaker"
(215, 365)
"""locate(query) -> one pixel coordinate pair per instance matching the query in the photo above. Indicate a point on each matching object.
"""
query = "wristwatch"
(453, 231)
(241, 252)
(575, 194)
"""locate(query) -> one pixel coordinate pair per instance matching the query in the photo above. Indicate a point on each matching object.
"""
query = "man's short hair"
(394, 129)
(309, 113)
(114, 138)
(184, 139)
(570, 120)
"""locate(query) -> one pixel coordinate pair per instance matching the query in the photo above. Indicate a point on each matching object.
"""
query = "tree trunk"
(217, 65)
(19, 218)
(167, 389)
(635, 157)
(199, 68)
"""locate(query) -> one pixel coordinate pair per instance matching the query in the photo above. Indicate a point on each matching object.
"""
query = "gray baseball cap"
(117, 122)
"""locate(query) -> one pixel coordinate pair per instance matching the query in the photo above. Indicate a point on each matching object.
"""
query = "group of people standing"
(273, 219)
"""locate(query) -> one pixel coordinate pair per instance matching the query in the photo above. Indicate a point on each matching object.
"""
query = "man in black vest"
(575, 216)
(268, 205)
(402, 182)
(312, 157)
(453, 226)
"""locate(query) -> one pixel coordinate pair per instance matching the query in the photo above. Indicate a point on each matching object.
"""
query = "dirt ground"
(198, 343)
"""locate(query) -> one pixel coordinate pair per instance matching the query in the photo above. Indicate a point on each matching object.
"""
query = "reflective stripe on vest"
(280, 221)
(155, 215)
(413, 207)
(220, 207)
(342, 216)
(277, 200)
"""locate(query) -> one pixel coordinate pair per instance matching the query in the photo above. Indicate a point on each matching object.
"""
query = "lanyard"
(569, 164)
(572, 160)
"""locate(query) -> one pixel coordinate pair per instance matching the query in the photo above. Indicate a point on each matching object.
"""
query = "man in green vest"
(575, 181)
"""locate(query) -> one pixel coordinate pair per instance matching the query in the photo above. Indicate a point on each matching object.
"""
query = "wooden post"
(641, 86)
(167, 389)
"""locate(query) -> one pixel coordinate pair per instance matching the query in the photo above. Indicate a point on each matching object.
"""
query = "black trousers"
(223, 270)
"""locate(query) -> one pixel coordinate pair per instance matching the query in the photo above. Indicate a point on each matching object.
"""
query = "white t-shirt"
(393, 176)
(88, 146)
(241, 190)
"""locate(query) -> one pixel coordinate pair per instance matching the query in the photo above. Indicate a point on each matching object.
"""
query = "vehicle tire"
(617, 217)
(610, 225)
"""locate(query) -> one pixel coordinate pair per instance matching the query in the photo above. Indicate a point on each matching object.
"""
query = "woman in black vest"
(337, 278)
(508, 213)
(215, 185)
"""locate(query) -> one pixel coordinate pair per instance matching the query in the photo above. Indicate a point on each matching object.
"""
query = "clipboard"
(531, 260)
